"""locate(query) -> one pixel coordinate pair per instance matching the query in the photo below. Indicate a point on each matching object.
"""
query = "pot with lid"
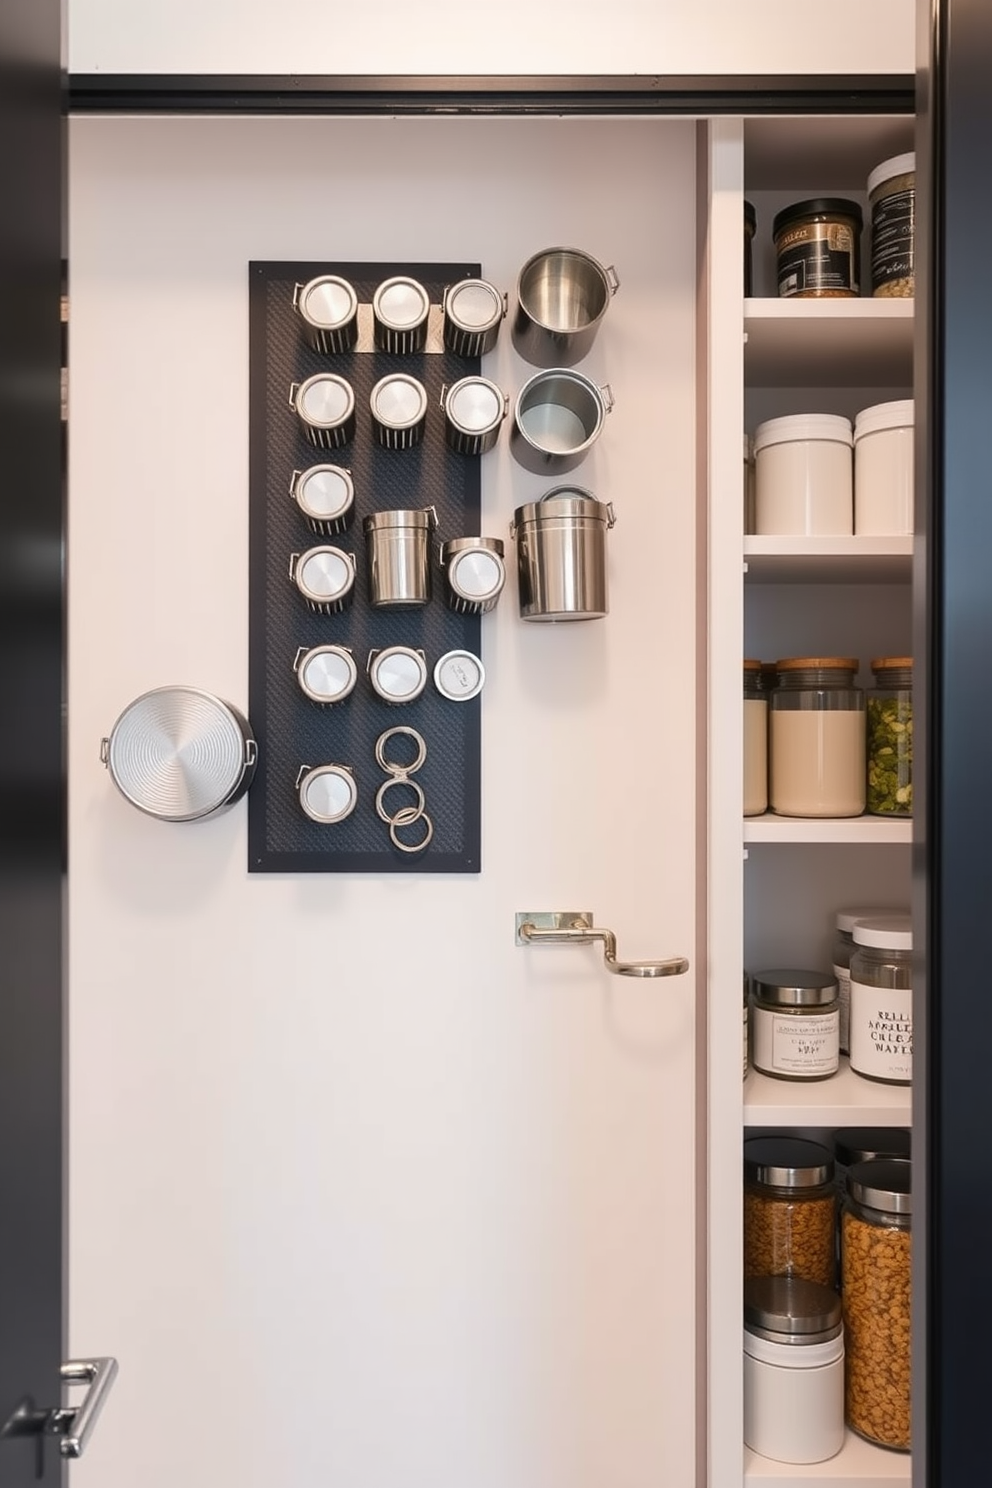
(474, 409)
(398, 553)
(398, 405)
(325, 576)
(400, 314)
(328, 308)
(472, 311)
(325, 407)
(561, 555)
(325, 495)
(180, 754)
(474, 573)
(562, 296)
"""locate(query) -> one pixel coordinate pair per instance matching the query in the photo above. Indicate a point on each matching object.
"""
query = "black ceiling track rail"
(149, 93)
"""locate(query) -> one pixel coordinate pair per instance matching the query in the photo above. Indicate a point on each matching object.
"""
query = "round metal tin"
(459, 676)
(328, 793)
(325, 406)
(327, 674)
(328, 307)
(325, 576)
(400, 311)
(473, 310)
(475, 573)
(474, 410)
(325, 495)
(398, 404)
(398, 673)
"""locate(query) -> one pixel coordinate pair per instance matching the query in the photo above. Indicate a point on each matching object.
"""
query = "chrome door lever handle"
(575, 927)
(74, 1424)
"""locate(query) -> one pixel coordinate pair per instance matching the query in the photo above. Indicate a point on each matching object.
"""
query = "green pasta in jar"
(889, 730)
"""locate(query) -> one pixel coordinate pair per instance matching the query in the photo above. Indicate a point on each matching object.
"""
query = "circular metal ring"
(418, 810)
(408, 821)
(394, 769)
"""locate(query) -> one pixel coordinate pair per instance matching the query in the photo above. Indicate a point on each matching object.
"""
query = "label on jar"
(817, 259)
(801, 1046)
(843, 976)
(881, 1032)
(892, 235)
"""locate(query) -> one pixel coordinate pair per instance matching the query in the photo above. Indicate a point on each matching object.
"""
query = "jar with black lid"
(816, 736)
(858, 1144)
(793, 1369)
(818, 248)
(796, 1027)
(750, 227)
(790, 1209)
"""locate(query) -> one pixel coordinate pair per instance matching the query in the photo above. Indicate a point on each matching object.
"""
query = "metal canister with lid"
(328, 308)
(398, 673)
(326, 674)
(793, 1369)
(472, 312)
(474, 573)
(882, 999)
(327, 793)
(325, 495)
(398, 404)
(400, 314)
(795, 1024)
(790, 1209)
(561, 555)
(397, 545)
(325, 576)
(474, 409)
(325, 407)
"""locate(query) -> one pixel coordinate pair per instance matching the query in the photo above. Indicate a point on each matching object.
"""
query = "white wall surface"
(644, 37)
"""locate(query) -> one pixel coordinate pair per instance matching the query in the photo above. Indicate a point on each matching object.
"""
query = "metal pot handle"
(294, 559)
(293, 389)
(300, 651)
(506, 398)
(296, 296)
(612, 280)
(444, 396)
(608, 399)
(251, 751)
(506, 302)
(105, 751)
(611, 520)
(292, 484)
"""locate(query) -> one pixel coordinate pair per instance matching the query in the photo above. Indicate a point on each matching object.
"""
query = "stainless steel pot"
(400, 314)
(325, 407)
(180, 754)
(474, 409)
(561, 555)
(562, 295)
(398, 404)
(397, 545)
(558, 416)
(474, 573)
(328, 308)
(325, 495)
(325, 576)
(472, 312)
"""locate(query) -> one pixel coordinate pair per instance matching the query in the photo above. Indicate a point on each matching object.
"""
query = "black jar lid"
(818, 206)
(857, 1144)
(750, 216)
(884, 1185)
(793, 988)
(790, 1305)
(787, 1162)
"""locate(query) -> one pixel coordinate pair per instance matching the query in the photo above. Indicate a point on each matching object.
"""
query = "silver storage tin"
(561, 555)
(328, 793)
(180, 754)
(328, 308)
(397, 545)
(398, 404)
(472, 311)
(474, 573)
(398, 673)
(325, 407)
(474, 409)
(326, 674)
(325, 576)
(459, 676)
(562, 295)
(400, 312)
(558, 416)
(325, 495)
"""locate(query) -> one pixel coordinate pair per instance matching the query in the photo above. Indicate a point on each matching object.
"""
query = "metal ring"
(400, 770)
(383, 814)
(397, 822)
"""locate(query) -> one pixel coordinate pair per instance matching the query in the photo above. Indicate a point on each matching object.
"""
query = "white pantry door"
(362, 1194)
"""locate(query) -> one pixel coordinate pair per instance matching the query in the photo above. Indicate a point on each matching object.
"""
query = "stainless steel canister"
(562, 295)
(398, 404)
(559, 415)
(474, 409)
(325, 576)
(561, 555)
(328, 308)
(474, 573)
(472, 311)
(398, 551)
(398, 674)
(326, 674)
(325, 495)
(400, 312)
(325, 407)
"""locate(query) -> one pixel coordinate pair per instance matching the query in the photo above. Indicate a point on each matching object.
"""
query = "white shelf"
(846, 1099)
(813, 343)
(857, 1465)
(828, 560)
(848, 829)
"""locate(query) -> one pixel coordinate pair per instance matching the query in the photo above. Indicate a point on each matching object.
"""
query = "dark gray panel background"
(291, 730)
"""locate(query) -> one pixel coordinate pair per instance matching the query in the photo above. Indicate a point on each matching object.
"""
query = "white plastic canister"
(804, 477)
(793, 1369)
(883, 469)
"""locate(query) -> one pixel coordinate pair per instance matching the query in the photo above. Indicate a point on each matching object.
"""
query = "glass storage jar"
(816, 738)
(889, 728)
(796, 1025)
(876, 1290)
(818, 248)
(882, 999)
(846, 919)
(755, 741)
(858, 1144)
(793, 1369)
(790, 1209)
(892, 205)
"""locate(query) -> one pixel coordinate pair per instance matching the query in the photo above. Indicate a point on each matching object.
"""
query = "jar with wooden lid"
(876, 1290)
(790, 1209)
(755, 741)
(817, 738)
(889, 724)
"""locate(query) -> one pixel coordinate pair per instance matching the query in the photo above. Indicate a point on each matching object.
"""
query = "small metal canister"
(325, 495)
(474, 572)
(328, 793)
(398, 404)
(325, 407)
(561, 555)
(398, 673)
(472, 312)
(325, 577)
(328, 308)
(326, 674)
(398, 552)
(474, 409)
(400, 312)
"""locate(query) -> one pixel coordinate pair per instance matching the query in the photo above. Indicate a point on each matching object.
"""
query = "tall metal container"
(398, 552)
(561, 555)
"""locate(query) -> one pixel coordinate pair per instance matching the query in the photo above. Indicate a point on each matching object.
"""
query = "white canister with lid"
(883, 469)
(804, 476)
(793, 1369)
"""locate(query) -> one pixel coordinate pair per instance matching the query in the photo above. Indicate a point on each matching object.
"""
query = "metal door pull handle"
(75, 1423)
(575, 927)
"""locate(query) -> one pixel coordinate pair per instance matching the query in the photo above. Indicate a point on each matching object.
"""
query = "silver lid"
(416, 516)
(398, 401)
(787, 1162)
(325, 400)
(324, 491)
(398, 674)
(324, 573)
(473, 305)
(791, 1306)
(177, 753)
(475, 405)
(565, 501)
(795, 988)
(886, 1185)
(476, 573)
(856, 1144)
(328, 793)
(459, 676)
(327, 302)
(327, 673)
(401, 303)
